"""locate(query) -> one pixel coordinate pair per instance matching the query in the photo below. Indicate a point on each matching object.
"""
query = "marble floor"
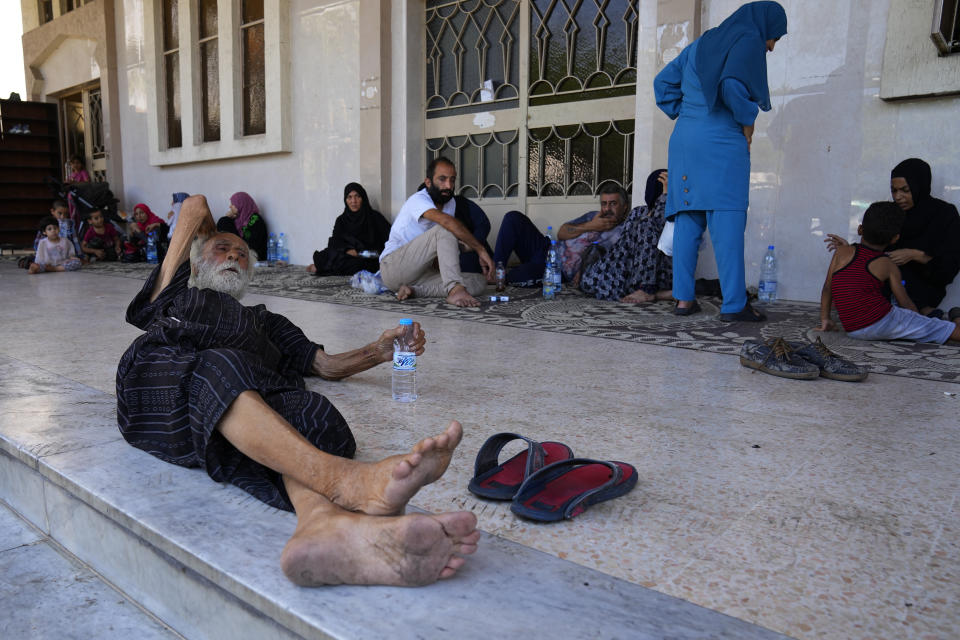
(818, 509)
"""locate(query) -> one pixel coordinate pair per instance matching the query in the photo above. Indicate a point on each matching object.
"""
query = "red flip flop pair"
(546, 482)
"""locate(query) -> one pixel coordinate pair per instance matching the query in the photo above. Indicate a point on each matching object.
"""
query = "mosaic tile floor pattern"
(574, 313)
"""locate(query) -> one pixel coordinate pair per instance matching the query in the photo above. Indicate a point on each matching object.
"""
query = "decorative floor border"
(574, 313)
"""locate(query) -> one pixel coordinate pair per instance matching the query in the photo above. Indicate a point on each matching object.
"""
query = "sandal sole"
(845, 377)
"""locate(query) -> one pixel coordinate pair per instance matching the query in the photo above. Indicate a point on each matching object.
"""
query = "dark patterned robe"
(201, 350)
(634, 262)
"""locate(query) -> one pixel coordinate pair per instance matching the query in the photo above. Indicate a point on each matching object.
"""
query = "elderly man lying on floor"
(218, 385)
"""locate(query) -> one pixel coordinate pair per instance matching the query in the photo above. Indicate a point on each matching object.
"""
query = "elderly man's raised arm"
(195, 220)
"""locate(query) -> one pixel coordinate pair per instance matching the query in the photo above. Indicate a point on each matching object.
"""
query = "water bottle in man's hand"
(405, 364)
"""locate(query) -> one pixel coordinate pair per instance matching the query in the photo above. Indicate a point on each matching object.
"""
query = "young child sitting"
(59, 211)
(54, 253)
(101, 240)
(855, 283)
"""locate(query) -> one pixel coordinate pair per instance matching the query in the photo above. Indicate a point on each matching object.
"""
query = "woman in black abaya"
(928, 252)
(358, 229)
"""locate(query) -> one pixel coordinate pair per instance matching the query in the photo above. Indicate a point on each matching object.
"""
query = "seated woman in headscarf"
(245, 220)
(928, 251)
(634, 270)
(141, 224)
(358, 230)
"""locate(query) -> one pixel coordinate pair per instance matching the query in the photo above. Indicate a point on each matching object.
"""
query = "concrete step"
(204, 558)
(48, 593)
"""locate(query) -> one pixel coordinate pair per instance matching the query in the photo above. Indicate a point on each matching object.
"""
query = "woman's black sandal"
(747, 314)
(686, 311)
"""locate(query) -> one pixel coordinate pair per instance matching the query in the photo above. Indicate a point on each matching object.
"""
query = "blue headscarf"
(737, 49)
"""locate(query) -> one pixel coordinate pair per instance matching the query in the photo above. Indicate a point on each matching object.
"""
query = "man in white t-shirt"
(422, 256)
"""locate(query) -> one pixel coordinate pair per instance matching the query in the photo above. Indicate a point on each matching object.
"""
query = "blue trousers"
(726, 234)
(519, 235)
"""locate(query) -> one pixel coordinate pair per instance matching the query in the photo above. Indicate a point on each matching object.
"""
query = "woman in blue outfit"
(714, 89)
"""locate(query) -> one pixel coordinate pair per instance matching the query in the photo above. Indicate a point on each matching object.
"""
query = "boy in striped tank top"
(857, 282)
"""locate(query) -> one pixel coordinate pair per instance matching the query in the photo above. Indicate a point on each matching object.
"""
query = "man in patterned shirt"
(219, 385)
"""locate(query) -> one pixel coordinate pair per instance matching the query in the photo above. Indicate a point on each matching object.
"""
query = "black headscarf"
(654, 189)
(932, 225)
(362, 230)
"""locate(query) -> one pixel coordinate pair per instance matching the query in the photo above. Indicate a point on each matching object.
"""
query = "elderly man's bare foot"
(459, 297)
(385, 487)
(638, 296)
(352, 548)
(404, 292)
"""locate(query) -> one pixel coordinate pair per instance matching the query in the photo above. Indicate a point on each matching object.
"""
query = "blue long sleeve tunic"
(709, 160)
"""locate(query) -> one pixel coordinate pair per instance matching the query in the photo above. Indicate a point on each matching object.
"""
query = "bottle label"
(404, 361)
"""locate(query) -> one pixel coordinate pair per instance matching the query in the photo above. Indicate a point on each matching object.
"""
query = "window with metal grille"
(95, 108)
(946, 26)
(514, 89)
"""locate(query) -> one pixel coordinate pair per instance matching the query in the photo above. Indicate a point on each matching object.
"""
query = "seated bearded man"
(218, 385)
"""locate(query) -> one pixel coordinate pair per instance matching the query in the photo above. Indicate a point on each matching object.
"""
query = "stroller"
(86, 198)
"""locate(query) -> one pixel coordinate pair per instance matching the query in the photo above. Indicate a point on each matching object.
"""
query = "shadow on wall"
(818, 170)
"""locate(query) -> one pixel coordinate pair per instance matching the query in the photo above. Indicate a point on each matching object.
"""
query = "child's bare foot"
(353, 548)
(638, 296)
(458, 296)
(312, 268)
(404, 292)
(384, 488)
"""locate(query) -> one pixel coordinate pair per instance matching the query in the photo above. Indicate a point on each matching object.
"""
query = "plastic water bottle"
(501, 277)
(283, 254)
(768, 277)
(550, 234)
(152, 247)
(548, 278)
(404, 365)
(557, 271)
(272, 249)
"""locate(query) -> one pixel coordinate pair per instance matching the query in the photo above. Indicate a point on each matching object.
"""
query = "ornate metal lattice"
(486, 162)
(468, 43)
(75, 125)
(583, 49)
(578, 159)
(95, 106)
(582, 61)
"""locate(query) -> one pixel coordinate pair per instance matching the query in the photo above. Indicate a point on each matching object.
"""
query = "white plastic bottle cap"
(493, 298)
(504, 298)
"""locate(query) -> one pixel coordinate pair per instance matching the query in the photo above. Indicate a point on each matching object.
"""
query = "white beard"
(219, 278)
